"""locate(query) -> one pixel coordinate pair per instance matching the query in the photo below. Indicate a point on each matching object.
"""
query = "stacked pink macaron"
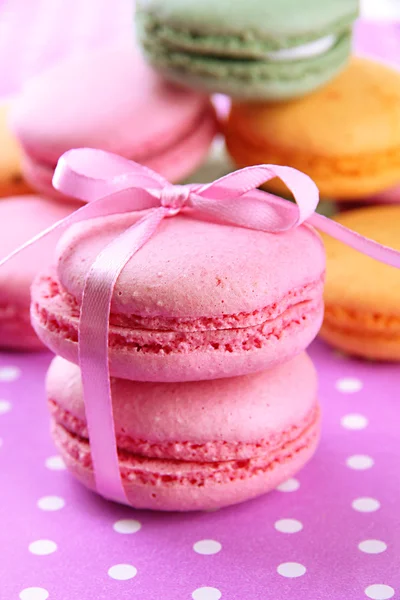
(214, 398)
(108, 99)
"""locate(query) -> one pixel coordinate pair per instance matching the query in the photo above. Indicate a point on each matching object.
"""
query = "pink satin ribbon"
(113, 185)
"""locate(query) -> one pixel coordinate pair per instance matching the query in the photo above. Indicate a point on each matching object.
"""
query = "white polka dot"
(55, 463)
(206, 593)
(207, 547)
(290, 485)
(9, 373)
(42, 547)
(34, 593)
(372, 546)
(366, 504)
(379, 591)
(127, 526)
(122, 572)
(291, 569)
(288, 525)
(349, 385)
(360, 462)
(5, 407)
(51, 503)
(354, 421)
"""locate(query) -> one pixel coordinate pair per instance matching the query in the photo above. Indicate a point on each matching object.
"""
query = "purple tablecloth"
(331, 533)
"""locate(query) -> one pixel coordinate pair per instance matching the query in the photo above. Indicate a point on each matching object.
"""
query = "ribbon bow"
(110, 185)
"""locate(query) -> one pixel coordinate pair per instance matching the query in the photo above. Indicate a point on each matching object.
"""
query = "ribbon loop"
(89, 174)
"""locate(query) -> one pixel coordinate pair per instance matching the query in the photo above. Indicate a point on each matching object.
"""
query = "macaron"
(255, 50)
(22, 217)
(111, 100)
(362, 315)
(345, 136)
(195, 445)
(12, 182)
(198, 301)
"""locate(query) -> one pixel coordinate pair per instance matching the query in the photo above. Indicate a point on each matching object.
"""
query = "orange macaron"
(362, 307)
(11, 180)
(346, 135)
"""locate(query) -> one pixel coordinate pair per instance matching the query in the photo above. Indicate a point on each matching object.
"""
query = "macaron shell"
(228, 411)
(346, 136)
(111, 100)
(184, 157)
(21, 218)
(229, 47)
(192, 268)
(274, 414)
(362, 310)
(11, 180)
(273, 22)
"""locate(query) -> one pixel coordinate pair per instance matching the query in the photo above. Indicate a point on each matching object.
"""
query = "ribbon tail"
(101, 207)
(35, 239)
(366, 246)
(93, 351)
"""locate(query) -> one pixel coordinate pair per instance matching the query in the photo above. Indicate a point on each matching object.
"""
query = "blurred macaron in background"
(112, 100)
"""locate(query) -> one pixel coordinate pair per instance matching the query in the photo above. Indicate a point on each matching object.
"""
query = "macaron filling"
(303, 51)
(57, 311)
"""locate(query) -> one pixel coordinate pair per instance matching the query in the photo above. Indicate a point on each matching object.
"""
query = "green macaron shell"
(244, 28)
(221, 45)
(255, 80)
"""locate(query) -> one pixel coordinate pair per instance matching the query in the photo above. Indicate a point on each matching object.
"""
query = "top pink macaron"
(111, 100)
(199, 301)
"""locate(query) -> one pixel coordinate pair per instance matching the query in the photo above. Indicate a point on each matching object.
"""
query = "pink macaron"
(110, 99)
(199, 301)
(195, 445)
(21, 218)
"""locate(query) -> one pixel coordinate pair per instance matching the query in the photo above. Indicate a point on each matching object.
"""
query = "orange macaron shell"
(345, 136)
(12, 182)
(362, 309)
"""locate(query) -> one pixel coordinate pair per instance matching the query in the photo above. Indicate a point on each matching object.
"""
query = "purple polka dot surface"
(331, 532)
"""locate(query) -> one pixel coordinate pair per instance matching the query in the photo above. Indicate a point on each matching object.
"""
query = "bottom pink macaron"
(195, 445)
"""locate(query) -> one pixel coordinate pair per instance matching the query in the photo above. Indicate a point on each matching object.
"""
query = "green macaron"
(250, 49)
